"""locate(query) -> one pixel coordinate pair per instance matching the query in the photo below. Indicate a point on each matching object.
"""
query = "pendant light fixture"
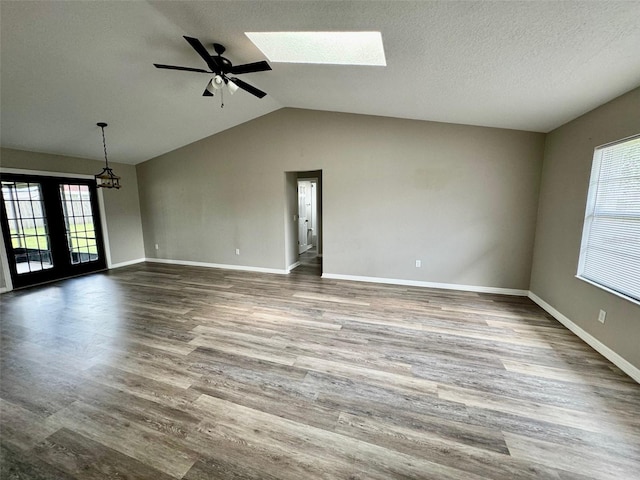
(106, 178)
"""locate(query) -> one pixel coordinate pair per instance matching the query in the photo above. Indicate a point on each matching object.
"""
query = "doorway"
(307, 214)
(51, 228)
(304, 211)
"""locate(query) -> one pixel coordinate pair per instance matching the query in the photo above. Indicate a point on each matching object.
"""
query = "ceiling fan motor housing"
(225, 64)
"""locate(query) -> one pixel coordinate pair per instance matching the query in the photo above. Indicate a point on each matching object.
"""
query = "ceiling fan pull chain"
(221, 98)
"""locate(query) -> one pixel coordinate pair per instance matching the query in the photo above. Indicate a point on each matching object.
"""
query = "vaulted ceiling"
(66, 65)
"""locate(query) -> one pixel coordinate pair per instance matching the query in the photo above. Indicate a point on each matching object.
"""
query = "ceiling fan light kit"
(221, 68)
(218, 82)
(210, 91)
(106, 178)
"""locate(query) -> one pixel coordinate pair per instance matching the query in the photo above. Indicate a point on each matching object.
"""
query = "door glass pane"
(27, 226)
(78, 220)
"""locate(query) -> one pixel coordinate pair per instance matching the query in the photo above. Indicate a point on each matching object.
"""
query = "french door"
(51, 228)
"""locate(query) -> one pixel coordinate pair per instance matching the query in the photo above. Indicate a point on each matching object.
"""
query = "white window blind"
(610, 250)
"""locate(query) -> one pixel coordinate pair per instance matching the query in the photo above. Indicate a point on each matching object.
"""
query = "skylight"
(339, 48)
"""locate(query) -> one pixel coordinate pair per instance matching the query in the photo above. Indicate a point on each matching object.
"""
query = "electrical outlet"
(418, 263)
(157, 247)
(237, 251)
(602, 316)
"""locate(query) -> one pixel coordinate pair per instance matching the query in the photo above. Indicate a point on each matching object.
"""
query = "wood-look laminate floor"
(158, 372)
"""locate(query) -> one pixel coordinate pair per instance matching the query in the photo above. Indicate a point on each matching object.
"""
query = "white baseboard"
(292, 266)
(4, 290)
(306, 248)
(128, 262)
(416, 283)
(218, 265)
(598, 346)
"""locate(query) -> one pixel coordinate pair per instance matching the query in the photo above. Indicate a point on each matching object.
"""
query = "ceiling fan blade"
(250, 68)
(198, 47)
(186, 69)
(248, 88)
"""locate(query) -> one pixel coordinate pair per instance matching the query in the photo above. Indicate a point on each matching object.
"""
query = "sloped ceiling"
(521, 65)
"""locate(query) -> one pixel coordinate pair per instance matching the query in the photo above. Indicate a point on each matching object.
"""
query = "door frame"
(8, 281)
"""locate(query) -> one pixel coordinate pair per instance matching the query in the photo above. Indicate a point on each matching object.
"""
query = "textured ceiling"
(521, 65)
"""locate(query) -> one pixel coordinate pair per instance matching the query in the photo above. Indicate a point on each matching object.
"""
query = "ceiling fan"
(221, 68)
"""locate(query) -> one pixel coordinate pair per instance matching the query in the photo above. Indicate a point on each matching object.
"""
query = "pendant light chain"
(104, 145)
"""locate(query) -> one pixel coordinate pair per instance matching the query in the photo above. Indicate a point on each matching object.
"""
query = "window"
(28, 228)
(78, 220)
(610, 250)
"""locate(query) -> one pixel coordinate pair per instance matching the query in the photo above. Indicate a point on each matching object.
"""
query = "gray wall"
(563, 195)
(122, 207)
(462, 199)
